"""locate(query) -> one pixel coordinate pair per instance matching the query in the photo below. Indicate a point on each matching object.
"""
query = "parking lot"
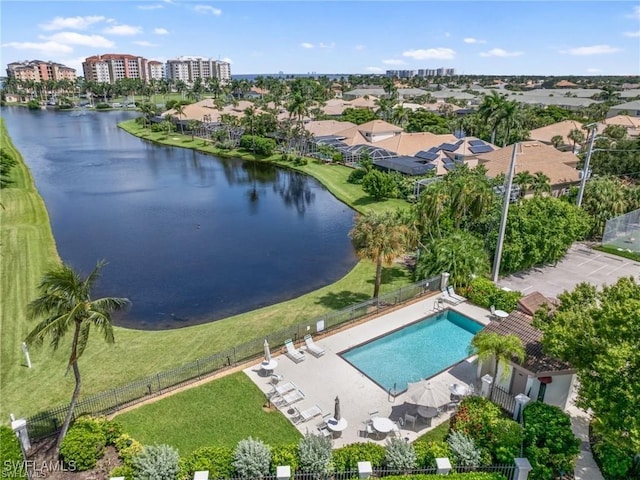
(581, 264)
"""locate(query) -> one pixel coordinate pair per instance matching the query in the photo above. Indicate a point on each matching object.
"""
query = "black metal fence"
(48, 422)
(504, 399)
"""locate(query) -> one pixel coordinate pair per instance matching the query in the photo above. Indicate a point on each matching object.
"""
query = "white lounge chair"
(306, 415)
(279, 390)
(289, 398)
(312, 347)
(452, 293)
(293, 353)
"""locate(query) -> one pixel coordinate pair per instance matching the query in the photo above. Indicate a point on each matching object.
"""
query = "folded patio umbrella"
(267, 352)
(336, 413)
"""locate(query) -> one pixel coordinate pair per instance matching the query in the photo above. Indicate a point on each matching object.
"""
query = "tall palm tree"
(381, 238)
(489, 111)
(523, 180)
(179, 109)
(576, 136)
(502, 348)
(65, 303)
(540, 184)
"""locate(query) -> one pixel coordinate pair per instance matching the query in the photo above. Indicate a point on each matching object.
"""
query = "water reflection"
(190, 238)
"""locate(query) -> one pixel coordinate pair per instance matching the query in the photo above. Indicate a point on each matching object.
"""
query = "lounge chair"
(452, 293)
(306, 415)
(312, 347)
(279, 390)
(293, 353)
(289, 398)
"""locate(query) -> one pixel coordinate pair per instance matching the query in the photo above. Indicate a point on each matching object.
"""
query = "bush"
(550, 445)
(11, 454)
(127, 448)
(125, 471)
(259, 145)
(356, 176)
(102, 106)
(315, 454)
(346, 458)
(379, 185)
(284, 455)
(427, 452)
(252, 458)
(84, 444)
(616, 463)
(111, 428)
(463, 449)
(451, 476)
(156, 462)
(299, 161)
(33, 105)
(217, 460)
(400, 455)
(484, 293)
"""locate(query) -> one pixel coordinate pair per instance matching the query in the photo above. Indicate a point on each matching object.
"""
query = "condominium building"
(40, 71)
(423, 72)
(188, 69)
(156, 70)
(110, 67)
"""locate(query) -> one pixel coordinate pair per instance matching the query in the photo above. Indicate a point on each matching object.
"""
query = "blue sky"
(497, 37)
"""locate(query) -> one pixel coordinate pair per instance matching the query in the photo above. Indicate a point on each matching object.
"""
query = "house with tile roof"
(539, 376)
(632, 124)
(562, 129)
(630, 108)
(533, 157)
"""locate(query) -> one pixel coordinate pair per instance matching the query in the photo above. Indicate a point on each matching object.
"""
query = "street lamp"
(585, 168)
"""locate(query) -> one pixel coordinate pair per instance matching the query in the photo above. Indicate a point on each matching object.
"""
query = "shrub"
(451, 476)
(33, 105)
(315, 454)
(11, 454)
(300, 161)
(463, 449)
(485, 293)
(217, 460)
(156, 462)
(400, 455)
(508, 436)
(284, 455)
(356, 176)
(111, 428)
(259, 145)
(102, 106)
(427, 452)
(252, 458)
(550, 445)
(84, 444)
(346, 458)
(615, 462)
(379, 185)
(127, 448)
(125, 471)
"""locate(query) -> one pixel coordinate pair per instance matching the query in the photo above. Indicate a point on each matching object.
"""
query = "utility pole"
(585, 168)
(505, 211)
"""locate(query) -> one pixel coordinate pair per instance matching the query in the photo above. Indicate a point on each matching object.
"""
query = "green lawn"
(28, 249)
(619, 252)
(219, 413)
(438, 434)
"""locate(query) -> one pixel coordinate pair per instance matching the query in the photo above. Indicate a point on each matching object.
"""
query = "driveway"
(581, 264)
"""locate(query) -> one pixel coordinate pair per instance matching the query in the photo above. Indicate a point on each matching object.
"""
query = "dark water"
(189, 238)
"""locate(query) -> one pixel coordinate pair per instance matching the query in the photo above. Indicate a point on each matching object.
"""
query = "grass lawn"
(619, 252)
(438, 434)
(219, 413)
(28, 249)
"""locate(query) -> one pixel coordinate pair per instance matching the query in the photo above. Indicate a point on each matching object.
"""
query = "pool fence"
(110, 401)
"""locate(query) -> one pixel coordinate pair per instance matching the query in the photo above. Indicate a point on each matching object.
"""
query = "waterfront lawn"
(28, 250)
(218, 413)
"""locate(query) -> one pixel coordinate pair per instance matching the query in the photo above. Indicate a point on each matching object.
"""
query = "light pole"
(585, 168)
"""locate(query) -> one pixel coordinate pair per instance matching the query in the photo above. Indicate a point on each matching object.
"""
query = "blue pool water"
(417, 351)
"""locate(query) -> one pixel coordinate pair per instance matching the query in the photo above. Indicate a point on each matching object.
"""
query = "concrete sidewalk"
(586, 468)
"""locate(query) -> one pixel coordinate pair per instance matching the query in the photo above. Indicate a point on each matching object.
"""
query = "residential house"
(632, 124)
(630, 108)
(562, 129)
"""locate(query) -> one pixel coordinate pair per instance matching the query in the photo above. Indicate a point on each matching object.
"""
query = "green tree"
(65, 303)
(577, 137)
(490, 111)
(598, 333)
(604, 198)
(557, 141)
(501, 348)
(459, 253)
(179, 109)
(379, 185)
(381, 238)
(524, 180)
(540, 184)
(357, 115)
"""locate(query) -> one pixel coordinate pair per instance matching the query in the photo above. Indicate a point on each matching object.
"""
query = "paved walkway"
(586, 468)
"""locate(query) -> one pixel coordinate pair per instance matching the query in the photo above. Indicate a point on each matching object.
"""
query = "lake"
(189, 238)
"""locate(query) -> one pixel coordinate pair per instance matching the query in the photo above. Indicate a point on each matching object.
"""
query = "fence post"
(444, 466)
(487, 380)
(115, 396)
(521, 402)
(20, 428)
(158, 379)
(198, 366)
(364, 470)
(523, 467)
(283, 472)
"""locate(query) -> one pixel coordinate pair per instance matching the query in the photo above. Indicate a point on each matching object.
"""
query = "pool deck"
(322, 379)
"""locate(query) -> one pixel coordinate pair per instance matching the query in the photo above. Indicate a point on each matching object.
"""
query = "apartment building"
(40, 71)
(188, 69)
(110, 67)
(156, 70)
(423, 72)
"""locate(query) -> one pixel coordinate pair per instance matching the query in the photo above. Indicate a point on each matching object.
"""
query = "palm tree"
(489, 111)
(523, 180)
(381, 238)
(557, 141)
(502, 348)
(179, 109)
(65, 303)
(576, 136)
(540, 184)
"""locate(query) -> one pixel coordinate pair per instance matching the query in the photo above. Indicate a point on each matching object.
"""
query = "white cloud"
(75, 62)
(632, 34)
(227, 59)
(45, 48)
(144, 43)
(636, 13)
(439, 53)
(150, 7)
(306, 45)
(74, 23)
(74, 38)
(208, 9)
(592, 50)
(393, 61)
(473, 40)
(326, 45)
(124, 30)
(359, 48)
(499, 52)
(160, 31)
(374, 69)
(594, 70)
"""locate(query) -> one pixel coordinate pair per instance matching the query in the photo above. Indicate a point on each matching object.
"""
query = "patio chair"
(395, 431)
(492, 312)
(410, 419)
(306, 415)
(289, 398)
(312, 347)
(452, 293)
(293, 353)
(279, 390)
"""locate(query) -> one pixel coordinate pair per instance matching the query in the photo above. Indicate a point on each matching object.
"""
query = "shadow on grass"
(391, 274)
(343, 299)
(364, 201)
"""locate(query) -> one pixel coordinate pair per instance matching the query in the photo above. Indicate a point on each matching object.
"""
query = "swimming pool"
(417, 351)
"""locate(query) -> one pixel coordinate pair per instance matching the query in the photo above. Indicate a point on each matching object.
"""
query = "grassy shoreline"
(28, 249)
